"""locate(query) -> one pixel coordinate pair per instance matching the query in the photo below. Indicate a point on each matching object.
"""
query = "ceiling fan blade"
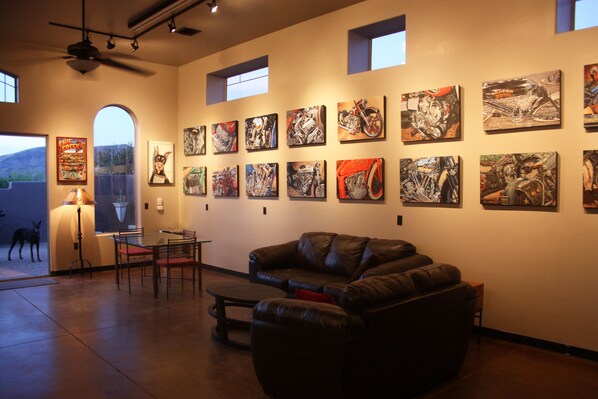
(125, 67)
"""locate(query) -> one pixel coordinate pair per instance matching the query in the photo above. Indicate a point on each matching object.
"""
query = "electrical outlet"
(206, 207)
(399, 220)
(76, 245)
(146, 205)
(264, 210)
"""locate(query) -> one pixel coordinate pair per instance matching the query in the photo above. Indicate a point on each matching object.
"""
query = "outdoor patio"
(23, 268)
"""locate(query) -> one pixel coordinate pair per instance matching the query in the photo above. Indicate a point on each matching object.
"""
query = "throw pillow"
(314, 296)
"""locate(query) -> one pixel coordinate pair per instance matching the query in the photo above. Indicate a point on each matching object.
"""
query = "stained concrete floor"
(83, 338)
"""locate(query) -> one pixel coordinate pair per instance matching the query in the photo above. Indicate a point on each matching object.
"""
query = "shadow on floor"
(23, 268)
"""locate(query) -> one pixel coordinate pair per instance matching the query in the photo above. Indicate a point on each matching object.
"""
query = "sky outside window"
(586, 14)
(388, 50)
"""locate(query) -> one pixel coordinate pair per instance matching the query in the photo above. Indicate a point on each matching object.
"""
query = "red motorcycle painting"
(360, 179)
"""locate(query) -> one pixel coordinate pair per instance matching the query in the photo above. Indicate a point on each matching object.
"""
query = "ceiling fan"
(84, 57)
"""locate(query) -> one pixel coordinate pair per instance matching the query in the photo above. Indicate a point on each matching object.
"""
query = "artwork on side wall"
(160, 162)
(432, 114)
(261, 132)
(434, 180)
(194, 180)
(360, 179)
(225, 137)
(590, 179)
(261, 180)
(225, 182)
(590, 95)
(306, 179)
(71, 159)
(194, 139)
(522, 102)
(361, 119)
(306, 126)
(526, 179)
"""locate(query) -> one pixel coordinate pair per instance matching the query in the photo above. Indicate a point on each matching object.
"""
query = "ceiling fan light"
(83, 66)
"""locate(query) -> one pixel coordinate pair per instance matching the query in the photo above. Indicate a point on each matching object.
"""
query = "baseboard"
(111, 267)
(226, 271)
(538, 343)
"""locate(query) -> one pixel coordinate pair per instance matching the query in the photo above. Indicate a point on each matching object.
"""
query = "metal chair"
(189, 233)
(129, 253)
(181, 253)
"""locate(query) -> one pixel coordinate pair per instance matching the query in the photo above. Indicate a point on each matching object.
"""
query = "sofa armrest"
(272, 257)
(398, 266)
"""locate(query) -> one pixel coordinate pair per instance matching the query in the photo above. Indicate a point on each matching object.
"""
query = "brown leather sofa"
(392, 336)
(327, 262)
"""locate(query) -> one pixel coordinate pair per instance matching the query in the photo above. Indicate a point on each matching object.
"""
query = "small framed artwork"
(361, 119)
(526, 179)
(261, 132)
(431, 180)
(306, 126)
(225, 137)
(194, 180)
(261, 179)
(306, 179)
(590, 95)
(433, 114)
(522, 102)
(160, 162)
(71, 159)
(225, 182)
(590, 179)
(194, 139)
(360, 179)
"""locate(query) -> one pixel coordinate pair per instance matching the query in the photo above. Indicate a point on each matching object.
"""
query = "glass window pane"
(248, 88)
(388, 50)
(586, 14)
(10, 81)
(10, 96)
(254, 74)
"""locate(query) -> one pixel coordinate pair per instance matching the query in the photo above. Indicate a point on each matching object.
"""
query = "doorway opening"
(23, 207)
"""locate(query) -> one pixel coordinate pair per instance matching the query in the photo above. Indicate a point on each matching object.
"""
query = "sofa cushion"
(379, 251)
(434, 276)
(306, 295)
(374, 290)
(314, 281)
(312, 250)
(344, 255)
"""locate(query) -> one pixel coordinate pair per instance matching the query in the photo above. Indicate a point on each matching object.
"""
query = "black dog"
(24, 234)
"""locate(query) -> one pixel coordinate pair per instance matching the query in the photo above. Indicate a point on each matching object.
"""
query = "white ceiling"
(25, 23)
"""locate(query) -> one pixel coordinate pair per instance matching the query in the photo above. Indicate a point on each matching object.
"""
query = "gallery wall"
(537, 265)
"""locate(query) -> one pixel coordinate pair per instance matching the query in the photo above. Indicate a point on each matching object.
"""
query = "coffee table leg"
(221, 326)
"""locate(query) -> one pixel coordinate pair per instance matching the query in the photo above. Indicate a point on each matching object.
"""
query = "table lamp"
(78, 196)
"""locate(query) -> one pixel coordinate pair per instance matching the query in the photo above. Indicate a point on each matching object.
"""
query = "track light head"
(213, 6)
(110, 44)
(135, 45)
(171, 25)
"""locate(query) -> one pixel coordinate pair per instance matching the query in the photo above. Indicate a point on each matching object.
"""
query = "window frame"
(4, 86)
(565, 16)
(216, 82)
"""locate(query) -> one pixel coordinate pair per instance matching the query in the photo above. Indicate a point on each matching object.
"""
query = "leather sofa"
(327, 262)
(390, 336)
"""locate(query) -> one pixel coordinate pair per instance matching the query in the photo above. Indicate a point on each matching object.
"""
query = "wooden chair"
(128, 253)
(181, 253)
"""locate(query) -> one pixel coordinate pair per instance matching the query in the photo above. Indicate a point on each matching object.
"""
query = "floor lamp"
(78, 196)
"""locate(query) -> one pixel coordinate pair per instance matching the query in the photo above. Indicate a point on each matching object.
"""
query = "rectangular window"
(247, 84)
(242, 80)
(8, 88)
(576, 14)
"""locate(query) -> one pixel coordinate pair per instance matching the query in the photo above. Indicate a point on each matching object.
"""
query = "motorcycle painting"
(261, 179)
(431, 114)
(360, 179)
(194, 139)
(590, 95)
(522, 102)
(225, 137)
(194, 180)
(306, 126)
(225, 182)
(526, 179)
(306, 179)
(432, 180)
(261, 132)
(361, 119)
(590, 179)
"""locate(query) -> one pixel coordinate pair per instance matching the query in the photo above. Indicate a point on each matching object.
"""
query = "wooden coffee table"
(236, 294)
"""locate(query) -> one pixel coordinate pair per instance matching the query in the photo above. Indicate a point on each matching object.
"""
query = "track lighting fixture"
(135, 45)
(171, 25)
(213, 6)
(110, 44)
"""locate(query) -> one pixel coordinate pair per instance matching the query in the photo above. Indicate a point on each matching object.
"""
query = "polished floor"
(82, 338)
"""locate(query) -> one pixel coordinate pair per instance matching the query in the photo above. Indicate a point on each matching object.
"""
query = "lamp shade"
(78, 196)
(83, 65)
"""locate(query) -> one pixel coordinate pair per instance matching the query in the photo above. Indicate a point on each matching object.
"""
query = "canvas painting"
(225, 182)
(225, 137)
(194, 140)
(261, 132)
(360, 179)
(261, 179)
(160, 162)
(590, 95)
(306, 126)
(590, 179)
(306, 179)
(71, 159)
(522, 102)
(361, 119)
(194, 180)
(432, 180)
(433, 114)
(526, 179)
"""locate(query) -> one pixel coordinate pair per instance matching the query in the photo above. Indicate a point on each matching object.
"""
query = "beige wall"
(56, 101)
(539, 267)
